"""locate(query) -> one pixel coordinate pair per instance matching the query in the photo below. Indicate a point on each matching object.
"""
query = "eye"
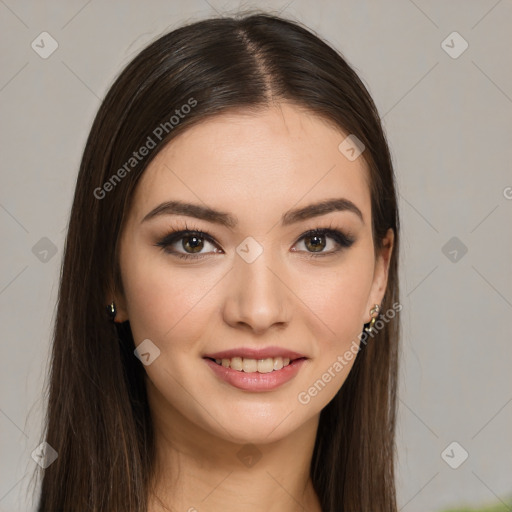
(315, 241)
(192, 242)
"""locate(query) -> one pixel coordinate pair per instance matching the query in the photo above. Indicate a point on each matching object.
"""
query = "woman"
(235, 210)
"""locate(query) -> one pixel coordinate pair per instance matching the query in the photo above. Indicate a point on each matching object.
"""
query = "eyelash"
(343, 240)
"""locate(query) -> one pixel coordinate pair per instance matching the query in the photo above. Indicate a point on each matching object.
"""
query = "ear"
(380, 274)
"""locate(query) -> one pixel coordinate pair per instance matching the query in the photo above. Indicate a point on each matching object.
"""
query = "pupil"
(194, 245)
(318, 239)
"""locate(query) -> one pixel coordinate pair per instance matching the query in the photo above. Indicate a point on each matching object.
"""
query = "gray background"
(448, 121)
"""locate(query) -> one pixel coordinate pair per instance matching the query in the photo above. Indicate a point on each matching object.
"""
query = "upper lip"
(253, 353)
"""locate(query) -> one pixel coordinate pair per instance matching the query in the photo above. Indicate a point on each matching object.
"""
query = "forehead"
(255, 164)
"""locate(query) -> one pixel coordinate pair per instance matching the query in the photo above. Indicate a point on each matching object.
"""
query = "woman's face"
(252, 280)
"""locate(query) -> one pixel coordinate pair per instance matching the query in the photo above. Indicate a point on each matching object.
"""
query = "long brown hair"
(97, 418)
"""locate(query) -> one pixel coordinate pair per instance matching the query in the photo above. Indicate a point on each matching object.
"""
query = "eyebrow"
(225, 219)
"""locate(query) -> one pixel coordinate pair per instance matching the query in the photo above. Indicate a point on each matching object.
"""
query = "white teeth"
(266, 365)
(236, 363)
(278, 363)
(249, 365)
(254, 365)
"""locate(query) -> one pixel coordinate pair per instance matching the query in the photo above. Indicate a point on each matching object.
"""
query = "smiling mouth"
(247, 365)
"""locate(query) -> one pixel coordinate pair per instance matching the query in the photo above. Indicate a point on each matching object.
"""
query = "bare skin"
(298, 294)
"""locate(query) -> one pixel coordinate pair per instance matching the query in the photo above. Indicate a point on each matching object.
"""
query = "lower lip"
(256, 381)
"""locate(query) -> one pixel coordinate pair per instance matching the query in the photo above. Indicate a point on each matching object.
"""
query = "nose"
(258, 296)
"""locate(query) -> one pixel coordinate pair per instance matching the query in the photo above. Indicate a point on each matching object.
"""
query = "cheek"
(161, 299)
(339, 297)
(337, 308)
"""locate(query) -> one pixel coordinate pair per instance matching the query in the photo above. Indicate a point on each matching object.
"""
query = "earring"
(111, 311)
(374, 311)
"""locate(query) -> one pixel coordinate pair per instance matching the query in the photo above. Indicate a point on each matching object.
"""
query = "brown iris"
(318, 245)
(196, 245)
